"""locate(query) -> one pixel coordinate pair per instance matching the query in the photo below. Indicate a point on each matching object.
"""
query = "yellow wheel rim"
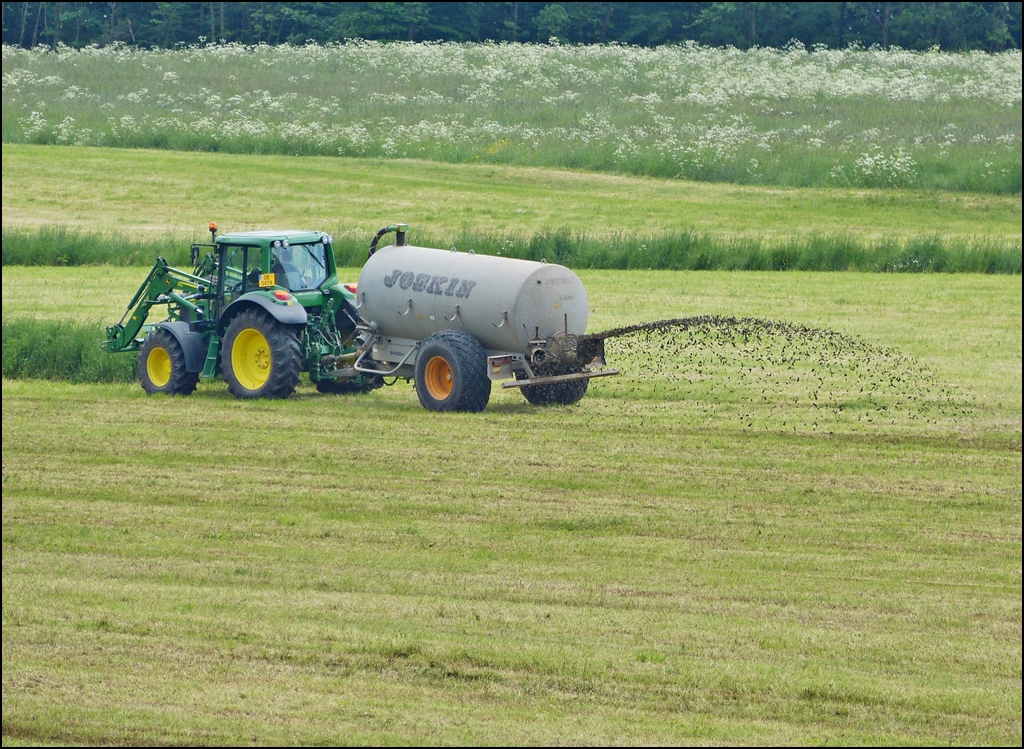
(158, 366)
(250, 359)
(438, 378)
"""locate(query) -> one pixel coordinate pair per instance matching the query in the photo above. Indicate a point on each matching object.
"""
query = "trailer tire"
(162, 366)
(451, 373)
(261, 357)
(559, 394)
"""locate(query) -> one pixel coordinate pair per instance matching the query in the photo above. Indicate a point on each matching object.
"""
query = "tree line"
(948, 25)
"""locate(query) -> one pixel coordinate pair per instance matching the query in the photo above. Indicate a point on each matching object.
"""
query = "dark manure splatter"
(769, 374)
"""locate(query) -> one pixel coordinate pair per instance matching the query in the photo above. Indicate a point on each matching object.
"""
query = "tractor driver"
(291, 267)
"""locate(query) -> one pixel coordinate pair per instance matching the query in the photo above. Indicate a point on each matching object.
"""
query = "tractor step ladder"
(210, 366)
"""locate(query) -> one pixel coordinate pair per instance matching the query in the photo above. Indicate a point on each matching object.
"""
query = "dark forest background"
(951, 26)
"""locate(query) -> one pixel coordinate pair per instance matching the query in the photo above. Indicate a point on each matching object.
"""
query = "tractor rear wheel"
(261, 357)
(162, 365)
(558, 394)
(451, 373)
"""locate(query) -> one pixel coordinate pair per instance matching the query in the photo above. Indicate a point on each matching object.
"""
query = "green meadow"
(126, 206)
(122, 190)
(358, 570)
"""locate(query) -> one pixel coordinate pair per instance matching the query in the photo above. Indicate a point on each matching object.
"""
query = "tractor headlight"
(277, 244)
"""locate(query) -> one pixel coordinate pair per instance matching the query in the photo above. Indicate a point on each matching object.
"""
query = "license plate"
(268, 279)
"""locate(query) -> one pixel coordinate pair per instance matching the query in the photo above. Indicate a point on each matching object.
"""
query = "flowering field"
(793, 117)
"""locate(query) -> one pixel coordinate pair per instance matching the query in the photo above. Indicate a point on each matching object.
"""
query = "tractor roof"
(294, 236)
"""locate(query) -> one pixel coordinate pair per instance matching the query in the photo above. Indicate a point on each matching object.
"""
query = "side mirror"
(195, 254)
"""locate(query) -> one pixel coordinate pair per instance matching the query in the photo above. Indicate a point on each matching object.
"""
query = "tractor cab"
(297, 261)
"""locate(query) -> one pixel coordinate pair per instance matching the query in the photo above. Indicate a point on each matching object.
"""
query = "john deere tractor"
(258, 308)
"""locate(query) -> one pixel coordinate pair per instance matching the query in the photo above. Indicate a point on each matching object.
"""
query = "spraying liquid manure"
(770, 374)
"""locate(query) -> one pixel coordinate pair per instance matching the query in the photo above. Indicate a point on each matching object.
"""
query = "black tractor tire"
(261, 357)
(162, 366)
(559, 394)
(451, 373)
(345, 387)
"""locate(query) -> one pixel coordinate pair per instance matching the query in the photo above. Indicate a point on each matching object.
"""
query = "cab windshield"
(300, 267)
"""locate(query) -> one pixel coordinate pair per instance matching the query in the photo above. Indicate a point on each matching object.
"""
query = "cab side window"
(242, 270)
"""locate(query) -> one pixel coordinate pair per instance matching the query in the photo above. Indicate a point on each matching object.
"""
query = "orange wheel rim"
(438, 378)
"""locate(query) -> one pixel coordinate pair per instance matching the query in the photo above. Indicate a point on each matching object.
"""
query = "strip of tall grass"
(61, 350)
(680, 250)
(59, 245)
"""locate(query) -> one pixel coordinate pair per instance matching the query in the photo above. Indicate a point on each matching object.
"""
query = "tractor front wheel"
(162, 365)
(451, 373)
(262, 358)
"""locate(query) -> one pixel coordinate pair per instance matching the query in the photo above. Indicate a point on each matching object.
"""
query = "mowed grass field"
(358, 570)
(147, 192)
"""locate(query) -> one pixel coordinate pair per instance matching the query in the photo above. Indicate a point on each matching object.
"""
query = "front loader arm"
(163, 285)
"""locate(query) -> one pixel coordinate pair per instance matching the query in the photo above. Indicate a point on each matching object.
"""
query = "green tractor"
(259, 308)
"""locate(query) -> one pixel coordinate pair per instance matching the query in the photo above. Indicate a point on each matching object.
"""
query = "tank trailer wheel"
(559, 394)
(451, 373)
(162, 365)
(261, 357)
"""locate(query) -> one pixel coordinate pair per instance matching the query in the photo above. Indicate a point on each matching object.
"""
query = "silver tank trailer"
(413, 292)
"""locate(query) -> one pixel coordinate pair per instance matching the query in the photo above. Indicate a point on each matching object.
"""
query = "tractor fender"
(293, 314)
(192, 344)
